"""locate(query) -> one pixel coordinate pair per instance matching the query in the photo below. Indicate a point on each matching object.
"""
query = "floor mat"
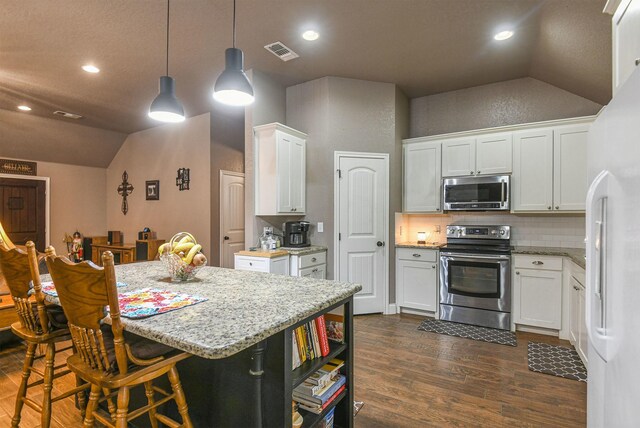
(484, 334)
(556, 360)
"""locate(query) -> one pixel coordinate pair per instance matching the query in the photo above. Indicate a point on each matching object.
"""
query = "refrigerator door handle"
(596, 263)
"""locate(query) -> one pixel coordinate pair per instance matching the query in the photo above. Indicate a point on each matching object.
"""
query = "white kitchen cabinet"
(459, 157)
(417, 279)
(532, 183)
(578, 334)
(422, 177)
(570, 168)
(277, 265)
(626, 41)
(550, 169)
(537, 291)
(280, 170)
(313, 265)
(482, 155)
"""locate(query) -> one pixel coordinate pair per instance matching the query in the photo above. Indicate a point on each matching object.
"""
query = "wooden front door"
(22, 212)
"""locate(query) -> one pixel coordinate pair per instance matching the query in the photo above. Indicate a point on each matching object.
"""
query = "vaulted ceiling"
(424, 46)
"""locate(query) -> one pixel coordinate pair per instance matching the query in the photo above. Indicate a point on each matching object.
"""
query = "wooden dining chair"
(109, 358)
(35, 327)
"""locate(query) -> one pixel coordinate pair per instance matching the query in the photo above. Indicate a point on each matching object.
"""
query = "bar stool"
(108, 358)
(36, 327)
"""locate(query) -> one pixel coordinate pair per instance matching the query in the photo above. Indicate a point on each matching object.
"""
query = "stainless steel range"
(475, 279)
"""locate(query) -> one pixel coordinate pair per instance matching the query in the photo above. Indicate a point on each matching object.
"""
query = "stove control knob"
(502, 232)
(494, 232)
(450, 231)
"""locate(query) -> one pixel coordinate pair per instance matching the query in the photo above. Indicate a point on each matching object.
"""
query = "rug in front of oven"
(483, 334)
(556, 360)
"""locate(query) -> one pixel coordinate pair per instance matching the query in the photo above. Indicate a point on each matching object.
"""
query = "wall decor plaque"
(124, 190)
(183, 179)
(10, 166)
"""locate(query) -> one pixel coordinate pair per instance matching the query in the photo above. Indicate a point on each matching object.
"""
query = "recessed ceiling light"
(89, 68)
(310, 35)
(24, 108)
(503, 35)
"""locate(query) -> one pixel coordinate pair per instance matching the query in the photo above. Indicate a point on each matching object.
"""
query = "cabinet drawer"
(417, 254)
(255, 264)
(537, 262)
(317, 272)
(313, 259)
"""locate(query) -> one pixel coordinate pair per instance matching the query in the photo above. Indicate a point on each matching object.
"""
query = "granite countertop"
(270, 254)
(243, 307)
(577, 255)
(428, 245)
(295, 251)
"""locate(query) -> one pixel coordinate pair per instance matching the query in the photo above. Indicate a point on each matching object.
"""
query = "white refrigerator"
(613, 262)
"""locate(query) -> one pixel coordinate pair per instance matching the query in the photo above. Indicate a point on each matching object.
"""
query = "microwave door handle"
(503, 185)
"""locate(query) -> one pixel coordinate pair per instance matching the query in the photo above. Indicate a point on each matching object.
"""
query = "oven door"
(476, 281)
(490, 193)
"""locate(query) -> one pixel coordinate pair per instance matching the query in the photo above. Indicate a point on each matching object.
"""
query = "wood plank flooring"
(412, 378)
(407, 378)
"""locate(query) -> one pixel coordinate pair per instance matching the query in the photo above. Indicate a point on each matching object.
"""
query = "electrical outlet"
(320, 227)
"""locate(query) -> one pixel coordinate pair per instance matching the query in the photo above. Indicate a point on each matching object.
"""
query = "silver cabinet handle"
(437, 209)
(250, 264)
(517, 273)
(537, 262)
(549, 207)
(557, 207)
(433, 266)
(315, 270)
(575, 287)
(637, 61)
(313, 259)
(478, 172)
(471, 172)
(416, 255)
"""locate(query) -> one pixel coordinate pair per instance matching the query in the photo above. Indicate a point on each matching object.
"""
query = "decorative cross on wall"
(182, 180)
(124, 190)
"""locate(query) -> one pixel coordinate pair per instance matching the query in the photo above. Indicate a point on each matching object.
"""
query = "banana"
(194, 250)
(186, 239)
(183, 247)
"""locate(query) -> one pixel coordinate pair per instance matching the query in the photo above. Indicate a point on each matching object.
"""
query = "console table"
(122, 253)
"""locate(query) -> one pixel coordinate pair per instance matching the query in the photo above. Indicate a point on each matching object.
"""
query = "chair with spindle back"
(108, 358)
(36, 327)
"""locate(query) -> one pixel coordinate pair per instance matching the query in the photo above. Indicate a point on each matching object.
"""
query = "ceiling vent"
(67, 114)
(281, 51)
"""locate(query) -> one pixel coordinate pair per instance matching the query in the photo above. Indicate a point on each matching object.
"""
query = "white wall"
(156, 154)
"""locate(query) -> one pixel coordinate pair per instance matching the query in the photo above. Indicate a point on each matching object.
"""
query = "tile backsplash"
(566, 231)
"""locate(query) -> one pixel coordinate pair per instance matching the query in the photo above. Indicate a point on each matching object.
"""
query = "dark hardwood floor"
(407, 378)
(412, 378)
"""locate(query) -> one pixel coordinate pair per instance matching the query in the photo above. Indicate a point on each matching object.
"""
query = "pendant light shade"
(233, 86)
(166, 107)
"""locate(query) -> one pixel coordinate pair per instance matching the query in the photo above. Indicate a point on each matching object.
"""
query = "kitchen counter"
(577, 255)
(270, 254)
(295, 251)
(427, 246)
(243, 309)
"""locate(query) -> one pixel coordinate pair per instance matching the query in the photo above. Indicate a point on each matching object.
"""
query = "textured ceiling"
(425, 46)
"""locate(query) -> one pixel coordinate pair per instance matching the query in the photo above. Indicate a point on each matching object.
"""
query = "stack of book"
(309, 342)
(320, 389)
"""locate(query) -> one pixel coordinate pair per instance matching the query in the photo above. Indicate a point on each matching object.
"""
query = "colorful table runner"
(150, 301)
(50, 289)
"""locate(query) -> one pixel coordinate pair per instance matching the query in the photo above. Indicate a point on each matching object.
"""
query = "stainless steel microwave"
(484, 193)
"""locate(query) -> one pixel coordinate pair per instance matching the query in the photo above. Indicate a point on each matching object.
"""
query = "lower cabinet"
(312, 265)
(277, 265)
(537, 291)
(417, 279)
(578, 329)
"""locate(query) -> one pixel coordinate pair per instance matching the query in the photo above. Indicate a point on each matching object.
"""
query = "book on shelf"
(295, 352)
(327, 421)
(316, 340)
(318, 408)
(310, 354)
(323, 340)
(326, 373)
(301, 345)
(324, 394)
(309, 341)
(335, 327)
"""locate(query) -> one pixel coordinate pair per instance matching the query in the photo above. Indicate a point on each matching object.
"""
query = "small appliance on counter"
(296, 234)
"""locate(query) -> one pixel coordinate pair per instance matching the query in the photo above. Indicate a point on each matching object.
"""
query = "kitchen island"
(241, 338)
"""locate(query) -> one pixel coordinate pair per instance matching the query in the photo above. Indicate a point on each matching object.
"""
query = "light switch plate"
(320, 227)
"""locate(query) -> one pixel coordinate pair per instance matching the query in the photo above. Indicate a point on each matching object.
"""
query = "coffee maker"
(295, 234)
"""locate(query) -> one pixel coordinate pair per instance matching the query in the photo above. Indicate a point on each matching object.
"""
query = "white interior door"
(231, 216)
(362, 217)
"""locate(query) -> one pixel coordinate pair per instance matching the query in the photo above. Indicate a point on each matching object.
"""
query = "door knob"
(226, 238)
(380, 244)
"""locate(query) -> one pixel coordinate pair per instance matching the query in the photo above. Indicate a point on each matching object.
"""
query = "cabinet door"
(494, 153)
(626, 41)
(574, 329)
(532, 184)
(417, 285)
(538, 298)
(422, 177)
(570, 168)
(283, 173)
(297, 175)
(583, 340)
(316, 272)
(459, 157)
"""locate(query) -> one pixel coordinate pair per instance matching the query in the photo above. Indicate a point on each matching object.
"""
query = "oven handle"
(472, 257)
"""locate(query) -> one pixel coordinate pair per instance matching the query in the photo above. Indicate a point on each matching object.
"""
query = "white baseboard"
(417, 312)
(537, 330)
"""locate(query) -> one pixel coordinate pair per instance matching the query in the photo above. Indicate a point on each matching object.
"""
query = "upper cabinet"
(481, 155)
(280, 170)
(550, 169)
(422, 177)
(626, 41)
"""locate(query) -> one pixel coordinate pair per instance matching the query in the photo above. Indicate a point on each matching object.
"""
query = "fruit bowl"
(182, 257)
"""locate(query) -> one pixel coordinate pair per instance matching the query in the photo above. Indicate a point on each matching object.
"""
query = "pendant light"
(233, 86)
(166, 107)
